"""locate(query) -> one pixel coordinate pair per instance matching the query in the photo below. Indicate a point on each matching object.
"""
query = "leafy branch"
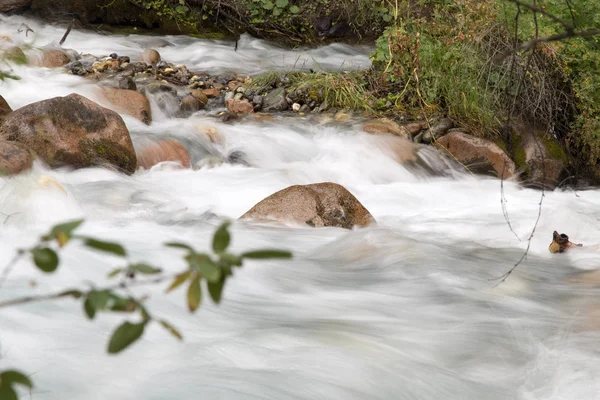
(208, 270)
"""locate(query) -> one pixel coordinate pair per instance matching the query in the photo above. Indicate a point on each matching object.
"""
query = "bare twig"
(9, 267)
(67, 32)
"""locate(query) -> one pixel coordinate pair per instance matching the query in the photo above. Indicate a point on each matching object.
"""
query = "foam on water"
(402, 310)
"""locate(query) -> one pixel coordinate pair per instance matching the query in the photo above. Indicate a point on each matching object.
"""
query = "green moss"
(555, 150)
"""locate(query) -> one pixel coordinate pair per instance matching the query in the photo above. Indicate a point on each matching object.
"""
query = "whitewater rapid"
(407, 309)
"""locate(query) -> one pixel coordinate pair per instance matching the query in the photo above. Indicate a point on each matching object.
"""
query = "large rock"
(318, 205)
(14, 158)
(544, 159)
(72, 131)
(129, 102)
(13, 5)
(479, 155)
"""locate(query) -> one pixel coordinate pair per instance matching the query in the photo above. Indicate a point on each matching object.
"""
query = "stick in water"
(67, 32)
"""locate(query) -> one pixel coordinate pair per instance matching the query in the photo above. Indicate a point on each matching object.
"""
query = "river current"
(406, 309)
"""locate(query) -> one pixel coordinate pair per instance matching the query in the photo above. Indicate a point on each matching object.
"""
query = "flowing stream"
(406, 309)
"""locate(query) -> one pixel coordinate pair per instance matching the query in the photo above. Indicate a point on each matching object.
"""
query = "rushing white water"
(401, 310)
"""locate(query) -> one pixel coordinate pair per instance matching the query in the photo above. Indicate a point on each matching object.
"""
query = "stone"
(54, 59)
(544, 158)
(560, 243)
(233, 85)
(4, 107)
(15, 54)
(212, 92)
(160, 87)
(438, 130)
(479, 155)
(413, 128)
(385, 125)
(200, 96)
(13, 5)
(72, 131)
(318, 205)
(129, 102)
(162, 151)
(190, 104)
(127, 83)
(239, 106)
(296, 107)
(14, 158)
(151, 56)
(275, 100)
(400, 149)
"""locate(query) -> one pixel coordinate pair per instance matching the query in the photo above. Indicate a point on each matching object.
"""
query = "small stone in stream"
(151, 56)
(127, 83)
(289, 101)
(228, 116)
(114, 56)
(124, 59)
(238, 157)
(305, 108)
(228, 96)
(240, 89)
(162, 65)
(219, 86)
(54, 59)
(233, 85)
(77, 68)
(190, 103)
(238, 96)
(275, 100)
(296, 107)
(158, 87)
(202, 98)
(239, 106)
(257, 100)
(212, 92)
(560, 243)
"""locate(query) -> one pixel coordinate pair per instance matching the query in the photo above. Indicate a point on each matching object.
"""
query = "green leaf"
(126, 334)
(120, 304)
(108, 247)
(231, 259)
(178, 281)
(7, 392)
(100, 299)
(76, 294)
(181, 9)
(221, 238)
(294, 9)
(172, 330)
(194, 294)
(277, 11)
(45, 259)
(114, 272)
(12, 376)
(205, 265)
(88, 307)
(268, 5)
(67, 227)
(145, 269)
(215, 289)
(179, 246)
(266, 254)
(282, 3)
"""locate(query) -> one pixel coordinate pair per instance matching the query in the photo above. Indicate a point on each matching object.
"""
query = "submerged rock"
(385, 125)
(164, 150)
(317, 205)
(151, 56)
(54, 59)
(14, 158)
(129, 102)
(479, 155)
(72, 131)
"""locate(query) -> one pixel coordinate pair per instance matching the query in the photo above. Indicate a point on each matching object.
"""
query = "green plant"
(210, 271)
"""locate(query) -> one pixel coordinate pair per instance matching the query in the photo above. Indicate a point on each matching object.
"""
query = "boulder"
(129, 102)
(13, 5)
(543, 158)
(4, 108)
(54, 59)
(479, 155)
(14, 158)
(72, 131)
(164, 150)
(275, 100)
(239, 106)
(151, 56)
(317, 205)
(385, 125)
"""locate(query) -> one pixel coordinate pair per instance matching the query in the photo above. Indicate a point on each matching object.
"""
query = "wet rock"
(228, 96)
(317, 205)
(479, 155)
(560, 243)
(162, 151)
(160, 87)
(72, 131)
(77, 68)
(233, 85)
(400, 149)
(123, 60)
(114, 56)
(275, 100)
(239, 106)
(238, 157)
(129, 102)
(304, 109)
(4, 108)
(257, 101)
(190, 104)
(16, 55)
(14, 158)
(54, 59)
(151, 56)
(200, 96)
(127, 83)
(438, 130)
(212, 92)
(413, 128)
(384, 125)
(296, 107)
(13, 5)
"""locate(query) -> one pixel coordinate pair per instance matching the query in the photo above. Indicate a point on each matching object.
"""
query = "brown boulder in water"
(72, 131)
(317, 205)
(164, 150)
(54, 59)
(14, 158)
(129, 102)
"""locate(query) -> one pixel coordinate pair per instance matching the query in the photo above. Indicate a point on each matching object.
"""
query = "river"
(407, 309)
